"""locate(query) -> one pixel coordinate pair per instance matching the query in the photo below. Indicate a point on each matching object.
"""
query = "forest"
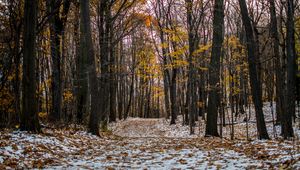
(149, 84)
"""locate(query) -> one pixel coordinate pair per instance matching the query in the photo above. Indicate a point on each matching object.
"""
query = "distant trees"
(91, 63)
(29, 117)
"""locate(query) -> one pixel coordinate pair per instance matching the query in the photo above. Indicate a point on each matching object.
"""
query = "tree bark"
(254, 78)
(278, 72)
(57, 25)
(214, 70)
(55, 40)
(29, 117)
(287, 127)
(191, 87)
(81, 71)
(87, 46)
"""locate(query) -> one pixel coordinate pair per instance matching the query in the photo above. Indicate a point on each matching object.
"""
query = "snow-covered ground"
(72, 150)
(137, 127)
(147, 144)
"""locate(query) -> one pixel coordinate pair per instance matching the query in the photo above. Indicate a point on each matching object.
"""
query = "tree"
(191, 84)
(104, 61)
(81, 70)
(279, 72)
(254, 77)
(160, 13)
(214, 70)
(29, 117)
(57, 26)
(287, 128)
(86, 45)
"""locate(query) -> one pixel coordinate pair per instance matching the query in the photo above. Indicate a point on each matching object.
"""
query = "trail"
(138, 143)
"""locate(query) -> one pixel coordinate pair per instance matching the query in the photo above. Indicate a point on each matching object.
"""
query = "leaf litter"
(146, 144)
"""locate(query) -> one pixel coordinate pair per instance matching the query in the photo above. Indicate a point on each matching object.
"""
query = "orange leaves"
(182, 161)
(109, 157)
(142, 17)
(148, 21)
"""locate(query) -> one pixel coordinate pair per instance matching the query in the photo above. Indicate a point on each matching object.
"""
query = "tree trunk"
(173, 94)
(81, 71)
(57, 22)
(29, 117)
(214, 70)
(287, 128)
(254, 78)
(87, 47)
(278, 72)
(191, 100)
(55, 41)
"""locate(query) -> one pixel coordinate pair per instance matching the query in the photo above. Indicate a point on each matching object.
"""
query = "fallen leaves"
(182, 161)
(15, 147)
(68, 148)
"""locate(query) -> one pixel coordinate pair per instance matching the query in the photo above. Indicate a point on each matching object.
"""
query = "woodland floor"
(147, 144)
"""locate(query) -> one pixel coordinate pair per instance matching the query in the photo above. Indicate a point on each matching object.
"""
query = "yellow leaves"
(180, 63)
(10, 77)
(168, 31)
(202, 68)
(202, 49)
(68, 96)
(233, 41)
(148, 66)
(235, 49)
(175, 34)
(159, 91)
(236, 90)
(42, 114)
(164, 45)
(175, 38)
(177, 53)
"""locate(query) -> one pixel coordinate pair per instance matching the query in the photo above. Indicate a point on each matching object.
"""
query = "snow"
(138, 153)
(82, 150)
(147, 144)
